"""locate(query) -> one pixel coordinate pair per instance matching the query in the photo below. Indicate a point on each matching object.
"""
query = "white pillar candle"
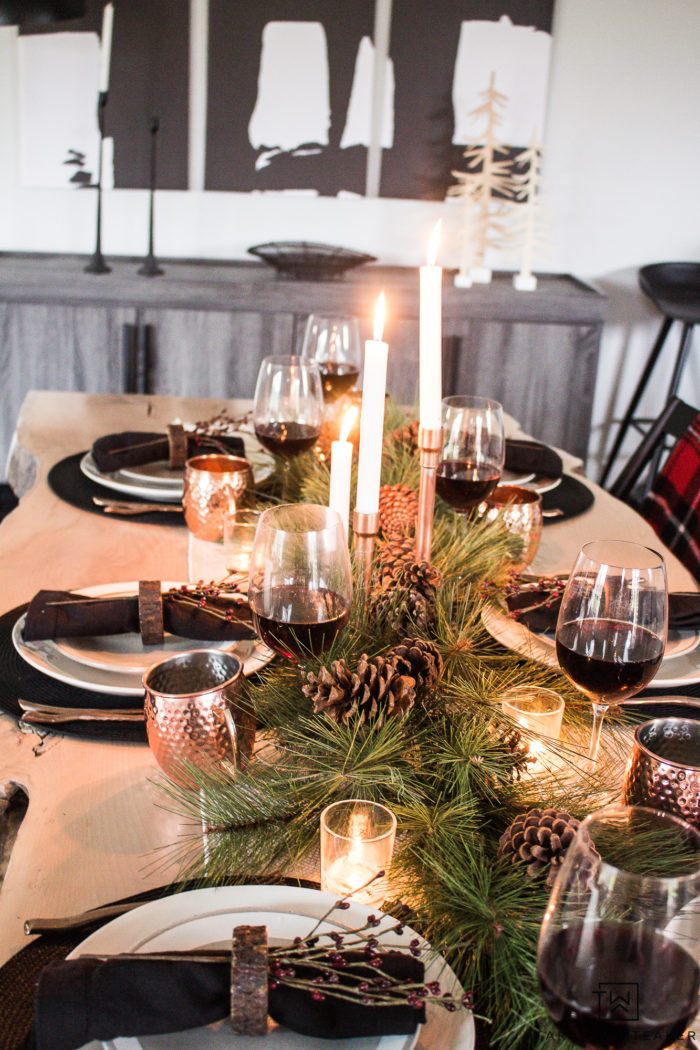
(431, 338)
(369, 466)
(341, 468)
(106, 46)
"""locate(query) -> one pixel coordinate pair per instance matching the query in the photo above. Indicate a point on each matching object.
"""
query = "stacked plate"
(115, 663)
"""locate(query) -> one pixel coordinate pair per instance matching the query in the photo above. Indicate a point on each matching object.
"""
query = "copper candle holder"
(429, 443)
(365, 528)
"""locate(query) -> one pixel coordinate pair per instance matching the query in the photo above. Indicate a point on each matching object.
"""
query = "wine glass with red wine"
(300, 583)
(616, 961)
(473, 451)
(334, 344)
(612, 625)
(287, 408)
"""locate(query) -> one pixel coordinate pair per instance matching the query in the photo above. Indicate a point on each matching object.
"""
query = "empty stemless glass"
(612, 625)
(300, 584)
(333, 343)
(618, 952)
(473, 450)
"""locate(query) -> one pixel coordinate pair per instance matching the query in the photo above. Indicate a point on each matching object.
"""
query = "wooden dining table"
(97, 817)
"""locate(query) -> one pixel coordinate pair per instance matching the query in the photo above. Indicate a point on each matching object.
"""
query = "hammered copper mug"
(663, 770)
(216, 486)
(189, 709)
(520, 510)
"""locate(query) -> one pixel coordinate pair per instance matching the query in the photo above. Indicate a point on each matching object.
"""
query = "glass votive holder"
(357, 842)
(239, 535)
(536, 708)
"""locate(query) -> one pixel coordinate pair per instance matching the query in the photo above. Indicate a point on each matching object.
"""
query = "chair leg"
(636, 397)
(683, 351)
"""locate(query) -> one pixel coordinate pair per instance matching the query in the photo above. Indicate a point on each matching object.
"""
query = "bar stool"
(675, 289)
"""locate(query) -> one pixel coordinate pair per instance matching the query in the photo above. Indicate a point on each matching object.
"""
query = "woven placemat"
(18, 679)
(19, 975)
(570, 496)
(68, 482)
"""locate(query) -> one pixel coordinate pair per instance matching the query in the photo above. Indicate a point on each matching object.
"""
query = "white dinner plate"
(156, 481)
(510, 477)
(205, 918)
(680, 665)
(118, 666)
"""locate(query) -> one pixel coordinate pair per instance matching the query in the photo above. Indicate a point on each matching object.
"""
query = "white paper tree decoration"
(526, 210)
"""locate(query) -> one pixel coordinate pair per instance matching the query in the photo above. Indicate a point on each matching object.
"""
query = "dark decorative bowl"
(304, 261)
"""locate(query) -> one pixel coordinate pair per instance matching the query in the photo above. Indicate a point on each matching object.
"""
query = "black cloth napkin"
(132, 448)
(83, 999)
(525, 457)
(683, 609)
(62, 614)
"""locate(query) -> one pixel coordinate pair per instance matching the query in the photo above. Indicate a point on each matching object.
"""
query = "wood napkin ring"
(249, 980)
(177, 441)
(151, 612)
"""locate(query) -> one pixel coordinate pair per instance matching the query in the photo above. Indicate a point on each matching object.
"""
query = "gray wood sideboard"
(201, 329)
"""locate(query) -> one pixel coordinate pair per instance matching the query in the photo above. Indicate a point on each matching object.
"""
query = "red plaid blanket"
(672, 506)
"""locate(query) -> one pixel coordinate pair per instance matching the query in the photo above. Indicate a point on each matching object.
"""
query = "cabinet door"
(54, 347)
(211, 353)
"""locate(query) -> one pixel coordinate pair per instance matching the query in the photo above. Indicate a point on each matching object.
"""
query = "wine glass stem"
(598, 716)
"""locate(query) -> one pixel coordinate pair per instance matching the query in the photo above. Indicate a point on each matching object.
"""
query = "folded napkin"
(538, 608)
(85, 999)
(64, 614)
(532, 457)
(133, 448)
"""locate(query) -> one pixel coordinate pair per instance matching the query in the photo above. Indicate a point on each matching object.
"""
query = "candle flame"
(348, 423)
(379, 319)
(434, 243)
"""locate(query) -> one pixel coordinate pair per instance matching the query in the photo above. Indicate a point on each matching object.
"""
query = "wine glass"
(617, 957)
(612, 625)
(287, 408)
(473, 450)
(300, 585)
(334, 344)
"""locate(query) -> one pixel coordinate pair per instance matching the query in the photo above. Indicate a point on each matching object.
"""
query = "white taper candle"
(372, 419)
(431, 338)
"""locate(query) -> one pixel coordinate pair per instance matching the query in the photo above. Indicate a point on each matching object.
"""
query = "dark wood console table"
(202, 328)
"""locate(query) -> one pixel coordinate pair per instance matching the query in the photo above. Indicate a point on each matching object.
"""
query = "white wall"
(622, 158)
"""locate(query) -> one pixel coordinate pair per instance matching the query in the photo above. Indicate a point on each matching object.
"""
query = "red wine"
(287, 439)
(607, 660)
(462, 485)
(337, 378)
(294, 621)
(617, 985)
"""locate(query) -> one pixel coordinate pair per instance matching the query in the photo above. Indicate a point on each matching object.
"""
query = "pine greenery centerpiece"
(405, 710)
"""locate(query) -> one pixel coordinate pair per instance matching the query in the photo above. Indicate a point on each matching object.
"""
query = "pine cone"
(418, 658)
(539, 838)
(409, 596)
(393, 556)
(511, 739)
(375, 690)
(407, 435)
(398, 509)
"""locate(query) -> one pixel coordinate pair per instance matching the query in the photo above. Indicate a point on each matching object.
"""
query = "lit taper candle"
(372, 419)
(431, 337)
(106, 46)
(341, 468)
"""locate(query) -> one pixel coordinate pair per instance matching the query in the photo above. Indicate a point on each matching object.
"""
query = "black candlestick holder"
(97, 263)
(150, 267)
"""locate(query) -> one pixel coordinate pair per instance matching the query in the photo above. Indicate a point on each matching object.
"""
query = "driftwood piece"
(249, 980)
(151, 612)
(177, 440)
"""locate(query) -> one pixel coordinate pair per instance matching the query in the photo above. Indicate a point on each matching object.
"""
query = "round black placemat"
(68, 482)
(18, 679)
(570, 496)
(19, 975)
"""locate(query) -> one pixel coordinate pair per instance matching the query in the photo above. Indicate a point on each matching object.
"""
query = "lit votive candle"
(239, 535)
(541, 711)
(357, 843)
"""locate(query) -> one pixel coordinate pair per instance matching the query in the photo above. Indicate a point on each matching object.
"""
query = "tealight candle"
(372, 417)
(341, 469)
(430, 335)
(541, 711)
(357, 842)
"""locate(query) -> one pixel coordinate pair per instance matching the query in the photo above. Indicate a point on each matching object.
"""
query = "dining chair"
(669, 497)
